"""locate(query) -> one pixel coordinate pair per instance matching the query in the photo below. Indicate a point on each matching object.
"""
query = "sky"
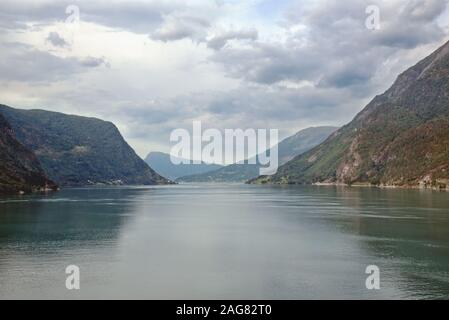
(154, 66)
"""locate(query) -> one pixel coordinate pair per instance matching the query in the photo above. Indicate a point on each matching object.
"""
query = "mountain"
(20, 171)
(163, 165)
(77, 151)
(287, 149)
(401, 138)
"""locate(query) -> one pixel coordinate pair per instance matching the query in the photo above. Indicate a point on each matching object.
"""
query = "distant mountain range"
(301, 142)
(78, 151)
(401, 138)
(162, 164)
(20, 170)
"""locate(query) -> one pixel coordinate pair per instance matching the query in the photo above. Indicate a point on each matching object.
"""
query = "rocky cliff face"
(76, 151)
(20, 171)
(399, 139)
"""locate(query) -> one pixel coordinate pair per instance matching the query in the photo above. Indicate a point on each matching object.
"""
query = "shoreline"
(367, 185)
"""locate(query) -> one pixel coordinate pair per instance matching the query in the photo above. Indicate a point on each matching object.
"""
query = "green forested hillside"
(77, 150)
(20, 171)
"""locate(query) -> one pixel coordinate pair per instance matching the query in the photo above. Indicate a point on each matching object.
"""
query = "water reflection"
(226, 241)
(41, 234)
(409, 231)
(405, 231)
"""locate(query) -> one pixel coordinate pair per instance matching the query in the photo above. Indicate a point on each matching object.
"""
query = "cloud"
(93, 62)
(286, 109)
(163, 19)
(178, 27)
(403, 24)
(56, 40)
(328, 44)
(122, 14)
(268, 63)
(218, 41)
(23, 63)
(255, 64)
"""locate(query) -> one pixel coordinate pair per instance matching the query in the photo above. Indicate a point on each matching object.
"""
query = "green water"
(225, 242)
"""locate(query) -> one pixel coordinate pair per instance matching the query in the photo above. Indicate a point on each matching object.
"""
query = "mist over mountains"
(290, 147)
(162, 164)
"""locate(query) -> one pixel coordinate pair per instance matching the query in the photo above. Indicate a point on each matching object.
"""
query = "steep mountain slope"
(77, 151)
(163, 165)
(20, 171)
(400, 139)
(299, 143)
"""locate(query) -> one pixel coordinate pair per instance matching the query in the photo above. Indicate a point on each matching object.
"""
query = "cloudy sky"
(154, 66)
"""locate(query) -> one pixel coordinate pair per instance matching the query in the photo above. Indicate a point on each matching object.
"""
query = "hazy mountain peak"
(288, 148)
(162, 163)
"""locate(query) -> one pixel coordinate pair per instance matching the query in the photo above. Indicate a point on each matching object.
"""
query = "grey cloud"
(268, 63)
(256, 105)
(333, 47)
(93, 62)
(413, 24)
(19, 62)
(178, 27)
(56, 40)
(6, 23)
(403, 24)
(400, 37)
(136, 15)
(240, 108)
(343, 63)
(424, 10)
(17, 14)
(142, 17)
(219, 41)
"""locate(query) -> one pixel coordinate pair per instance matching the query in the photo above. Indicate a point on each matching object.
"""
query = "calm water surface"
(225, 242)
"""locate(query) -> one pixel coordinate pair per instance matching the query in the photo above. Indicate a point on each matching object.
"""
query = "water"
(226, 242)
